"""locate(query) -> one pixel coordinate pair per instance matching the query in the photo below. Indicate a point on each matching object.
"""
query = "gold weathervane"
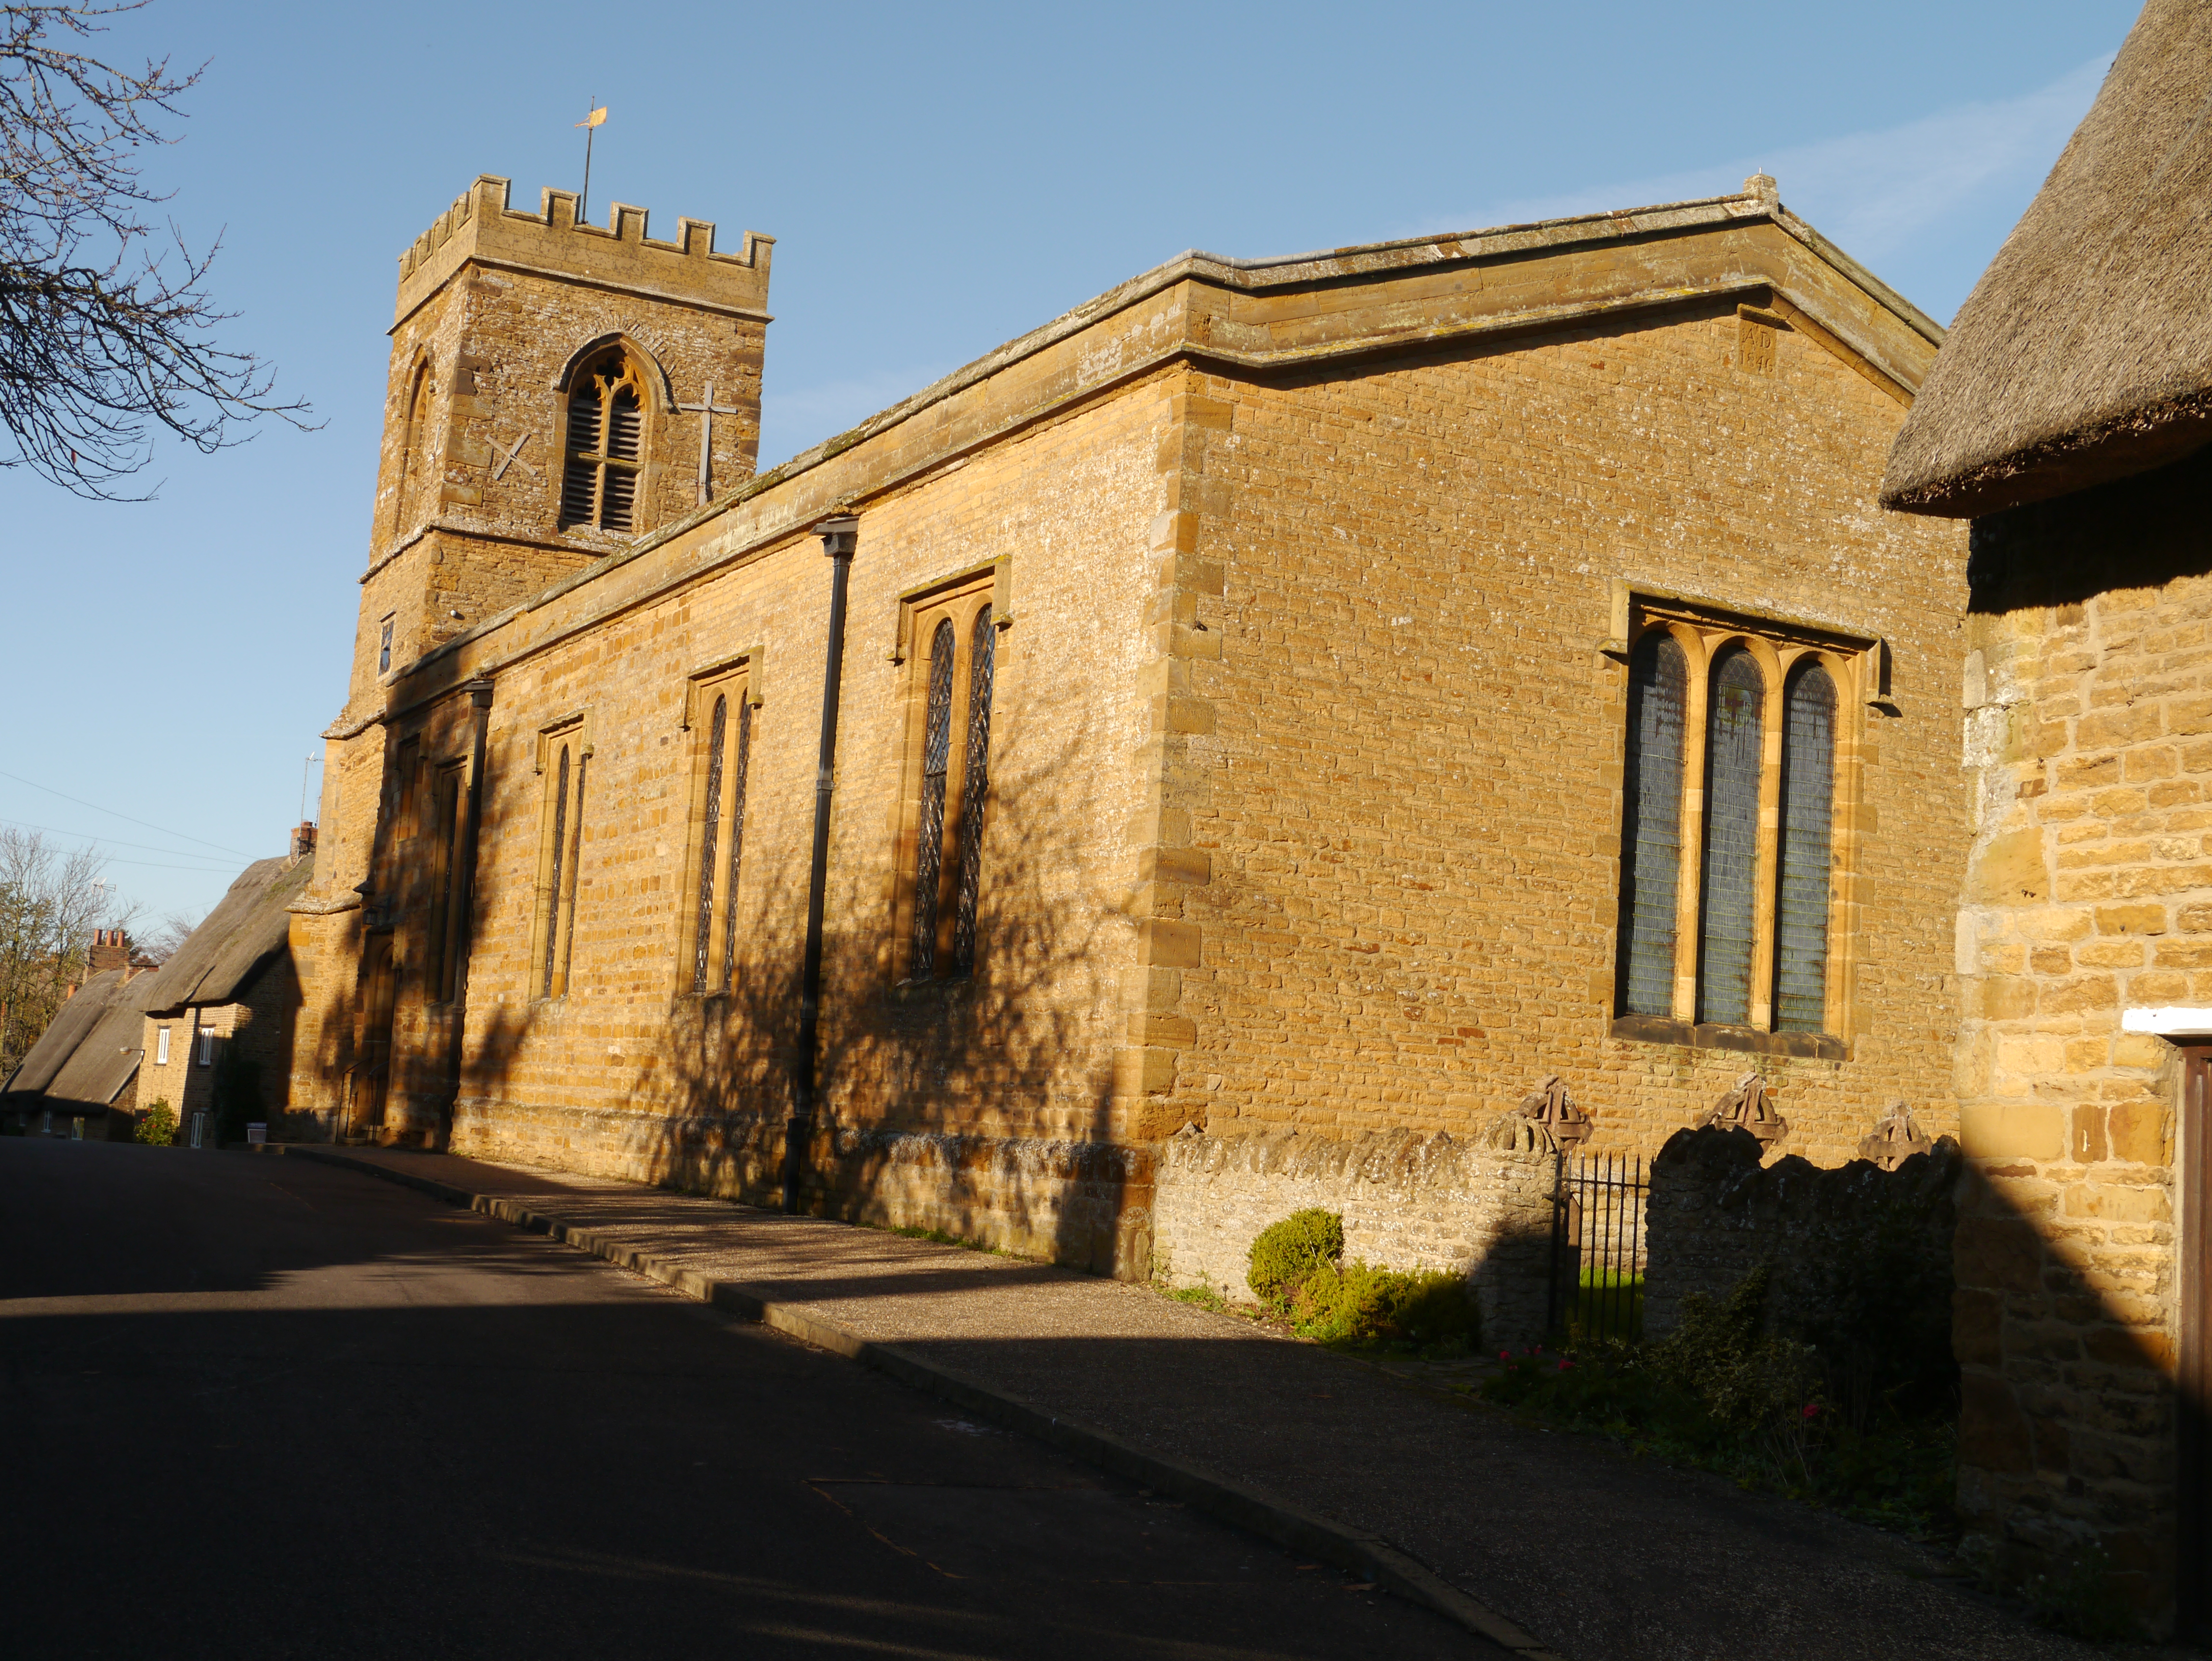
(589, 123)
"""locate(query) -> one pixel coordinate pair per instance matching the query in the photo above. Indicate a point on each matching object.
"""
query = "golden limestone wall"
(1305, 762)
(1408, 787)
(629, 1072)
(2088, 691)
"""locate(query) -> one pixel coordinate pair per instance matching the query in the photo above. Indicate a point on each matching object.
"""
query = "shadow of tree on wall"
(981, 1106)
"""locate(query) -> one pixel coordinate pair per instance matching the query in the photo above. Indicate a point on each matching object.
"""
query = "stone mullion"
(1767, 873)
(1690, 876)
(1158, 1026)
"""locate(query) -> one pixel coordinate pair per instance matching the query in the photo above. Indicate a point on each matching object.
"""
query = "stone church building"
(1331, 693)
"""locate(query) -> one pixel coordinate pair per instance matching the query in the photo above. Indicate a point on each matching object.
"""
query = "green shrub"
(1717, 1353)
(1287, 1252)
(159, 1127)
(1357, 1307)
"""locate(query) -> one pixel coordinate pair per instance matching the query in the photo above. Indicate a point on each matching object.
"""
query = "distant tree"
(166, 933)
(50, 900)
(106, 331)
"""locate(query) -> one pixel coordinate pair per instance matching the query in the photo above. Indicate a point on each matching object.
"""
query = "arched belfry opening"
(605, 448)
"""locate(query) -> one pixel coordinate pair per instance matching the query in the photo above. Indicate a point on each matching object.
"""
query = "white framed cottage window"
(206, 1057)
(162, 1047)
(1740, 791)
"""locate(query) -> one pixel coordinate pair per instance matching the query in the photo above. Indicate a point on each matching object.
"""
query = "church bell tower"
(557, 390)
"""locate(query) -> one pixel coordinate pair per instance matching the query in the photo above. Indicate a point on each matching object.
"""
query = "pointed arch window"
(944, 857)
(1651, 857)
(1731, 895)
(1801, 885)
(409, 497)
(565, 762)
(723, 730)
(1735, 706)
(606, 448)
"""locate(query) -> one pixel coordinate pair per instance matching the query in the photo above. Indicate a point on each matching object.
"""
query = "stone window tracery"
(723, 761)
(942, 855)
(564, 761)
(1752, 936)
(606, 446)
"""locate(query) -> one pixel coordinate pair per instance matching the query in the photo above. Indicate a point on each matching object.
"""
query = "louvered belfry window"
(1728, 893)
(1735, 712)
(725, 737)
(1801, 924)
(946, 814)
(1651, 857)
(606, 444)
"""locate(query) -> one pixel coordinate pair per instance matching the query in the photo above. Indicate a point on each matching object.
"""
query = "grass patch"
(1607, 1301)
(1198, 1298)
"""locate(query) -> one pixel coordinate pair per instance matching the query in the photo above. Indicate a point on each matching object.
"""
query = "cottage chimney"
(108, 952)
(303, 840)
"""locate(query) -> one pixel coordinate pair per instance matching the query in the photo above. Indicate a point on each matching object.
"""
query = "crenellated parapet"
(481, 228)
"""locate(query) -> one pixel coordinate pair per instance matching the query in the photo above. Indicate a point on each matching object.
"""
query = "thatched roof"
(238, 939)
(100, 1068)
(2085, 352)
(90, 1049)
(71, 1025)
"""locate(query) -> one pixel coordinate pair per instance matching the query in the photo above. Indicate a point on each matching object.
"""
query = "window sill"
(1708, 1035)
(931, 990)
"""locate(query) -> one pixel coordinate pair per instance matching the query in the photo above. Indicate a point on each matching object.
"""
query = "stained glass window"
(1735, 701)
(1801, 931)
(974, 785)
(1652, 851)
(936, 753)
(704, 933)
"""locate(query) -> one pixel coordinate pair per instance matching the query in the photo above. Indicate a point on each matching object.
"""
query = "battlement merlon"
(481, 228)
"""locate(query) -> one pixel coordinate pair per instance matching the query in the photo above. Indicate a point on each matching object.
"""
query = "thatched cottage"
(2068, 417)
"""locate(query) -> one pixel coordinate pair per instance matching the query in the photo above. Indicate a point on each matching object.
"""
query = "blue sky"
(940, 180)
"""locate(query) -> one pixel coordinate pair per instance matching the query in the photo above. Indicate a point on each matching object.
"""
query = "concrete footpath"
(1552, 1545)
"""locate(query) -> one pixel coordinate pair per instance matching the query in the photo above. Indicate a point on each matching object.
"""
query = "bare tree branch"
(106, 332)
(50, 900)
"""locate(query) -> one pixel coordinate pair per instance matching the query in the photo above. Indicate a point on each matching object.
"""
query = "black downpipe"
(839, 537)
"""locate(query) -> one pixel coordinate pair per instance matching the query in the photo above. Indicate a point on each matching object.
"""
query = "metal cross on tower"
(706, 409)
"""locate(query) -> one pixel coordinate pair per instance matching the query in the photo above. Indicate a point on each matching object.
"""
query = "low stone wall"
(1715, 1213)
(1481, 1206)
(1085, 1204)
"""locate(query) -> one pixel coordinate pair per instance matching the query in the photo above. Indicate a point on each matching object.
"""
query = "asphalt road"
(258, 1408)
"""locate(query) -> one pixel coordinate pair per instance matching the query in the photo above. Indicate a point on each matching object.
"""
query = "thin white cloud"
(1874, 192)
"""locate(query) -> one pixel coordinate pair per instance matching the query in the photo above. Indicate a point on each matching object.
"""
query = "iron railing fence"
(1598, 1247)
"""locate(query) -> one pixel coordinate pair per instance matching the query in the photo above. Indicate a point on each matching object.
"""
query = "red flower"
(1505, 1355)
(1812, 1409)
(1564, 1365)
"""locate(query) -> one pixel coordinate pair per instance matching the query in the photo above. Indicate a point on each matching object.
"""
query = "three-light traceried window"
(1728, 890)
(723, 730)
(564, 762)
(605, 448)
(955, 660)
